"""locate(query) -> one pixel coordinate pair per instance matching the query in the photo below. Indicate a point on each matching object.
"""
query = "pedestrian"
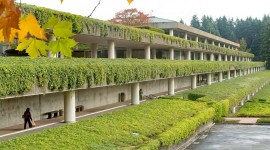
(141, 94)
(27, 118)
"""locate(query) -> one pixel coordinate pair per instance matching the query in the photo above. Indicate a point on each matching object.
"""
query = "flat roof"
(177, 26)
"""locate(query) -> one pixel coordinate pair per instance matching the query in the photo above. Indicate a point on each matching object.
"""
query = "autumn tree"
(130, 17)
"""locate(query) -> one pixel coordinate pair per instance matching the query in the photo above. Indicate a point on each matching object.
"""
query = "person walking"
(27, 117)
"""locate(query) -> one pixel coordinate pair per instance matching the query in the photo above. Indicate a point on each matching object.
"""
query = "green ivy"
(19, 75)
(106, 29)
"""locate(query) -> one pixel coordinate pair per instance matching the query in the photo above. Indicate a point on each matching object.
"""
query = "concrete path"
(243, 120)
(234, 137)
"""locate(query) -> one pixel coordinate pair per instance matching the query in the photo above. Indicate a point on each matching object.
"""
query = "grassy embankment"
(258, 106)
(227, 94)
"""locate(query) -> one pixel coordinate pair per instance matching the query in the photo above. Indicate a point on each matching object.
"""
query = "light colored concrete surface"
(234, 137)
(243, 120)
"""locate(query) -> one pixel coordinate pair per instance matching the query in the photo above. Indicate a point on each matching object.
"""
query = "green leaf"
(64, 46)
(51, 23)
(33, 47)
(63, 29)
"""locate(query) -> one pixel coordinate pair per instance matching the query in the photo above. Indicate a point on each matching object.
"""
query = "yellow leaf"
(1, 36)
(130, 1)
(30, 25)
(61, 1)
(64, 46)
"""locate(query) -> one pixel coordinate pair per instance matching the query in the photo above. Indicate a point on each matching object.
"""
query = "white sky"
(168, 9)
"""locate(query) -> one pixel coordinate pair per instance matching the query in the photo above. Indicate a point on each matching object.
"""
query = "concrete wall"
(12, 109)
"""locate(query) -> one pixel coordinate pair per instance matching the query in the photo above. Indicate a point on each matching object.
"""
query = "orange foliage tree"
(130, 17)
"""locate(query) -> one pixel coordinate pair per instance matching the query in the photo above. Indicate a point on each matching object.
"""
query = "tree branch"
(94, 9)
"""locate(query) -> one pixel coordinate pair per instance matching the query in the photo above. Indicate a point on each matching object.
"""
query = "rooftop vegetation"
(19, 75)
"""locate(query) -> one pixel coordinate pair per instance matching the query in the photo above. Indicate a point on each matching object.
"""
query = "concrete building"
(120, 41)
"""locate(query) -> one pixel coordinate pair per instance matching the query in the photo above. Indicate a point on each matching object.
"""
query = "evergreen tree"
(195, 22)
(265, 45)
(243, 45)
(208, 25)
(182, 21)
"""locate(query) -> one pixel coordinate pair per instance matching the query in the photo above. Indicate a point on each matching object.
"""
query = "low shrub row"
(258, 106)
(148, 126)
(103, 28)
(227, 94)
(263, 120)
(19, 75)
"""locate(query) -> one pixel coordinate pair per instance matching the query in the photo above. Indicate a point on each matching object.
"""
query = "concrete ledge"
(184, 144)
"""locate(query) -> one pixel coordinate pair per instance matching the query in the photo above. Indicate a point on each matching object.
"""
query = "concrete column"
(188, 55)
(234, 74)
(201, 55)
(242, 103)
(219, 57)
(129, 53)
(248, 97)
(229, 47)
(239, 58)
(111, 50)
(197, 39)
(51, 38)
(180, 55)
(171, 51)
(94, 47)
(186, 38)
(205, 41)
(212, 57)
(154, 52)
(229, 75)
(240, 73)
(209, 78)
(171, 32)
(69, 106)
(195, 55)
(231, 58)
(220, 76)
(226, 58)
(147, 52)
(135, 95)
(194, 82)
(224, 46)
(205, 56)
(213, 42)
(171, 86)
(235, 58)
(218, 44)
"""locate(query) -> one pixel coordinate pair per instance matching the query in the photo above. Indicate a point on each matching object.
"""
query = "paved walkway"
(242, 120)
(234, 137)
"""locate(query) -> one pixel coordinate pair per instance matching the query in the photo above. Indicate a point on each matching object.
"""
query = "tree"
(265, 45)
(182, 21)
(243, 45)
(195, 22)
(226, 28)
(130, 17)
(208, 25)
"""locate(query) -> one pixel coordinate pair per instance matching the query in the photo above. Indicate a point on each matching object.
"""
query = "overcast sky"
(169, 9)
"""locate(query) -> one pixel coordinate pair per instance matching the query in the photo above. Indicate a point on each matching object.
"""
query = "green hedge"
(150, 125)
(151, 29)
(104, 28)
(227, 94)
(19, 75)
(259, 106)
